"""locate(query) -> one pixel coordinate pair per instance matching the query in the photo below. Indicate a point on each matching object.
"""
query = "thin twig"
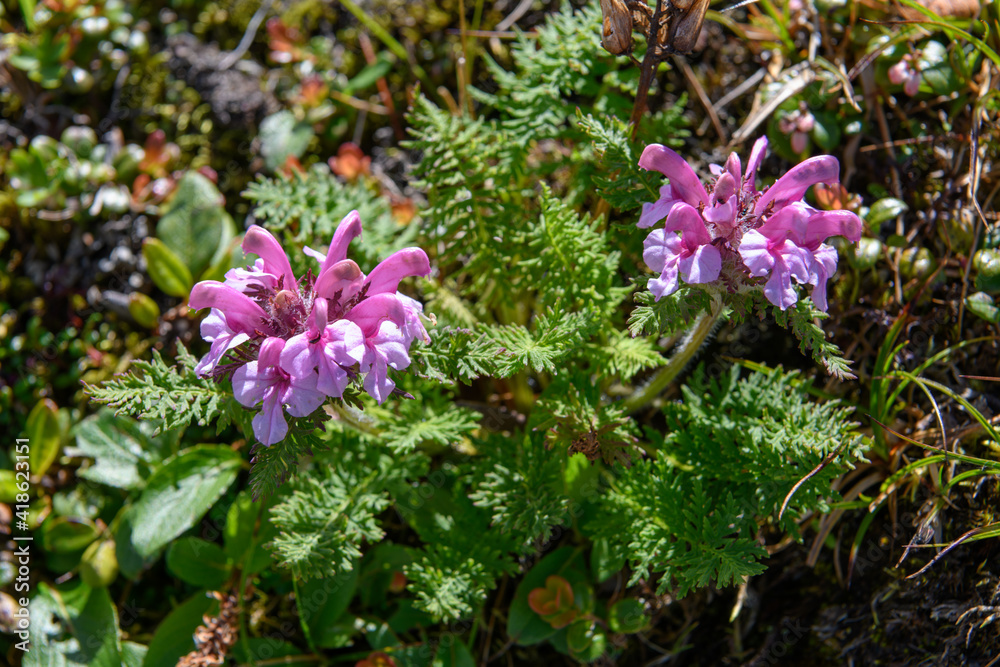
(258, 17)
(648, 68)
(699, 90)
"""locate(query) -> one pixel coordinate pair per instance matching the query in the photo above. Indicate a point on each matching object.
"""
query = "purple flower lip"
(756, 233)
(299, 341)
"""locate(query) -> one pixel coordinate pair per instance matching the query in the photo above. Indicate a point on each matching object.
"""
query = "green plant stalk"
(703, 326)
(302, 620)
(383, 36)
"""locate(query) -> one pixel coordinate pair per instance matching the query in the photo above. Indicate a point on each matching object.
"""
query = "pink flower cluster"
(298, 341)
(798, 124)
(731, 231)
(907, 72)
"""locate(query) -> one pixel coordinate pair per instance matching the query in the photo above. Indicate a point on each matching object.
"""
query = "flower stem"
(703, 326)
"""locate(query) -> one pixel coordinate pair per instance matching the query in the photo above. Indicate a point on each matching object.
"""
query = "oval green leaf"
(44, 436)
(166, 269)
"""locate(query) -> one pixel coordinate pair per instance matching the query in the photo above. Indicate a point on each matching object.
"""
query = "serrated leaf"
(175, 498)
(122, 455)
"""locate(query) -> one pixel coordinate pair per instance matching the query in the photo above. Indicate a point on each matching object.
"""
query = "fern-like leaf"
(174, 395)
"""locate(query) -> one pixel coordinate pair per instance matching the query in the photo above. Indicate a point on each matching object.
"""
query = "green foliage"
(521, 484)
(553, 341)
(563, 62)
(568, 260)
(733, 451)
(670, 315)
(307, 207)
(575, 418)
(802, 320)
(173, 396)
(272, 466)
(328, 513)
(621, 182)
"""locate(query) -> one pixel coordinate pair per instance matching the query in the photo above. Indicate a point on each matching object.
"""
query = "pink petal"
(242, 313)
(793, 185)
(269, 425)
(685, 219)
(821, 225)
(270, 352)
(724, 189)
(215, 330)
(778, 289)
(755, 250)
(348, 230)
(786, 222)
(683, 180)
(333, 378)
(242, 278)
(701, 266)
(826, 257)
(659, 247)
(733, 167)
(658, 210)
(371, 312)
(302, 396)
(723, 214)
(796, 260)
(667, 283)
(377, 382)
(346, 343)
(414, 327)
(344, 276)
(318, 316)
(298, 358)
(404, 263)
(262, 243)
(753, 164)
(248, 384)
(390, 346)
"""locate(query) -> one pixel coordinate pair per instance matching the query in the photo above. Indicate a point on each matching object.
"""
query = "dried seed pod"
(686, 19)
(642, 14)
(617, 33)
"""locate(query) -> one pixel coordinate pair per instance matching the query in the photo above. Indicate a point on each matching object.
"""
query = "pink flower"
(798, 124)
(790, 244)
(329, 348)
(691, 254)
(753, 233)
(299, 341)
(907, 72)
(264, 382)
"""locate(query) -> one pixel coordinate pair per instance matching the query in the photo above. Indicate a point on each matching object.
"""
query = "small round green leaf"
(64, 535)
(143, 310)
(987, 266)
(981, 305)
(99, 565)
(627, 615)
(884, 210)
